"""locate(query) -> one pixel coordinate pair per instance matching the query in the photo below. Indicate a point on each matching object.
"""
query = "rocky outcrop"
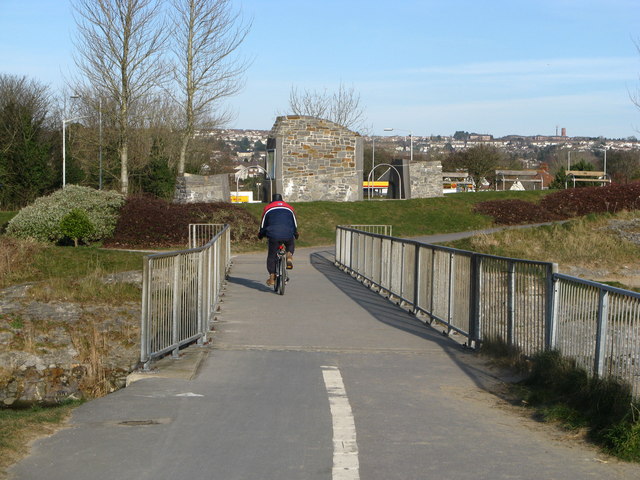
(53, 351)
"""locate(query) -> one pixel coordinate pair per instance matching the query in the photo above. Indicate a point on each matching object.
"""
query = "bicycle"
(281, 269)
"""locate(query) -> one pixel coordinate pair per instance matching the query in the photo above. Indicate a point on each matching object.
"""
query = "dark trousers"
(290, 245)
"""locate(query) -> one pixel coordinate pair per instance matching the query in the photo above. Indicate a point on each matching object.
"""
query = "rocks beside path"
(54, 351)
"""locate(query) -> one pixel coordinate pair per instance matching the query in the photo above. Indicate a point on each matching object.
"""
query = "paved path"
(289, 384)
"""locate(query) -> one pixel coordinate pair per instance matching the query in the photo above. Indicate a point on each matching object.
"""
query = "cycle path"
(289, 382)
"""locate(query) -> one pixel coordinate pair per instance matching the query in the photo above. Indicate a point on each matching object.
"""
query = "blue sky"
(429, 67)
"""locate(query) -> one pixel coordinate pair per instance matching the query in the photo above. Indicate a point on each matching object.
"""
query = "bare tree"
(342, 107)
(119, 44)
(311, 103)
(207, 36)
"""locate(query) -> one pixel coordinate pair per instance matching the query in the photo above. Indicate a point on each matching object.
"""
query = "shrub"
(76, 226)
(563, 204)
(514, 211)
(42, 219)
(147, 221)
(604, 405)
(574, 202)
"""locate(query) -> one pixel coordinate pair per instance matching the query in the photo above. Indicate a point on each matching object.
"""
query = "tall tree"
(207, 36)
(342, 107)
(25, 144)
(119, 46)
(479, 161)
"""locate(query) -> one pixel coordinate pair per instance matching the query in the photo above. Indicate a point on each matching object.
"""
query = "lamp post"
(410, 139)
(99, 139)
(411, 144)
(64, 148)
(100, 144)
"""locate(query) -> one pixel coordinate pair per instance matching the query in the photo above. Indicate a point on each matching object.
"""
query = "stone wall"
(202, 189)
(316, 160)
(425, 179)
(56, 351)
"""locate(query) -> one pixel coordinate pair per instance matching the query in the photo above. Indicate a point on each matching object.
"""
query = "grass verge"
(66, 273)
(5, 217)
(563, 393)
(585, 241)
(425, 216)
(19, 427)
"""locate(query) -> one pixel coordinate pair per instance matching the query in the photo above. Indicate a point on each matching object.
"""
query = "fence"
(180, 290)
(525, 304)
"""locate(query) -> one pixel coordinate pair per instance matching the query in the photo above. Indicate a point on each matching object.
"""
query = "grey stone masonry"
(316, 159)
(426, 179)
(202, 189)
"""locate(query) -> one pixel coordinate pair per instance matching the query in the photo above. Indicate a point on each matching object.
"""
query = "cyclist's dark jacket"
(278, 221)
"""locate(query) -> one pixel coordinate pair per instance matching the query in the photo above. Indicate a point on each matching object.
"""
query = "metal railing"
(180, 291)
(526, 304)
(379, 229)
(599, 327)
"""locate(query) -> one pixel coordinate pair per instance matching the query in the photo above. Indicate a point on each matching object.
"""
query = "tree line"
(150, 73)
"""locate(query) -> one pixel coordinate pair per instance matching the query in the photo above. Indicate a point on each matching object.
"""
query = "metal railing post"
(145, 337)
(552, 299)
(416, 278)
(176, 304)
(474, 299)
(601, 336)
(451, 287)
(201, 294)
(433, 284)
(511, 294)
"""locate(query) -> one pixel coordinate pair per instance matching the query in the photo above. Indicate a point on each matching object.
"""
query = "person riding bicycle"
(278, 224)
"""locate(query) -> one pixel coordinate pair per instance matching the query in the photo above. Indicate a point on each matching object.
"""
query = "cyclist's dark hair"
(276, 197)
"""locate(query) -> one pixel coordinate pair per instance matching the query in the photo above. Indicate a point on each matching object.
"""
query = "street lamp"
(100, 144)
(64, 149)
(99, 139)
(373, 153)
(410, 139)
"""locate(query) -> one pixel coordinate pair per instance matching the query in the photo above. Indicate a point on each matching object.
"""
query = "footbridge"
(355, 372)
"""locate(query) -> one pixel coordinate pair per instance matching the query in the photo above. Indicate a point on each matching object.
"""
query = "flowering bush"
(42, 219)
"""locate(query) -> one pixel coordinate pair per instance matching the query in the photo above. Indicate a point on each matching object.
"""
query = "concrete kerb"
(184, 367)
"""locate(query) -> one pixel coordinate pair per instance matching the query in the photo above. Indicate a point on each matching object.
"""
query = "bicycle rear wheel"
(281, 275)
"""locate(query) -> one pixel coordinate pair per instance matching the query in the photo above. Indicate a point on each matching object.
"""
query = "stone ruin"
(202, 189)
(310, 159)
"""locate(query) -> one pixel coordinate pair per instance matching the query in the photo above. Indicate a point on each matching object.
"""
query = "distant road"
(450, 237)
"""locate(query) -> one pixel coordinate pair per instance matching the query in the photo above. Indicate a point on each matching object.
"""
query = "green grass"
(6, 216)
(560, 392)
(452, 213)
(74, 274)
(19, 426)
(70, 262)
(580, 241)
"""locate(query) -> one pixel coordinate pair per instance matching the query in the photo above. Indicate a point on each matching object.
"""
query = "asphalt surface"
(254, 405)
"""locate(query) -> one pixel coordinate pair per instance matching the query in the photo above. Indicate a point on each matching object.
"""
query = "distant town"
(525, 147)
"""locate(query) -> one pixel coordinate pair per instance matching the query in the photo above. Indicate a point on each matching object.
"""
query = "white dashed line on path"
(345, 447)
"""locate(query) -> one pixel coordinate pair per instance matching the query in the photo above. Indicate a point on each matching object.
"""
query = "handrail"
(180, 290)
(526, 304)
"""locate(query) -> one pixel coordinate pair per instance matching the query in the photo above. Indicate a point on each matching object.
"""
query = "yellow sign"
(375, 184)
(239, 198)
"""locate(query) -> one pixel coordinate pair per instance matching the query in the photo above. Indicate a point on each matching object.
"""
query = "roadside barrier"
(181, 290)
(525, 304)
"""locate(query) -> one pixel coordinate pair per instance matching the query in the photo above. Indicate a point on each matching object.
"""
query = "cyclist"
(278, 225)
